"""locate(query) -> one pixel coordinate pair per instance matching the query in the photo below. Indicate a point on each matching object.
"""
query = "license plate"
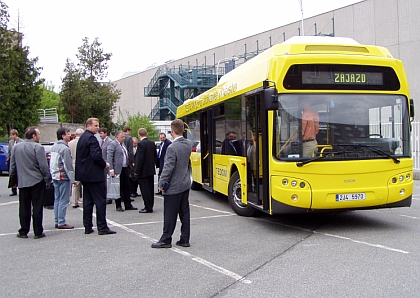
(350, 197)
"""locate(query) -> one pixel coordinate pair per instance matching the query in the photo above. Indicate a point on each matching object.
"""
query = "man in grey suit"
(175, 186)
(118, 159)
(14, 140)
(29, 163)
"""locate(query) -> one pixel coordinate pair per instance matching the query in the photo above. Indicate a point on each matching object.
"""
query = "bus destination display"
(341, 77)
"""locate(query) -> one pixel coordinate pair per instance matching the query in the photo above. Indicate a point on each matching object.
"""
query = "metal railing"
(48, 115)
(415, 145)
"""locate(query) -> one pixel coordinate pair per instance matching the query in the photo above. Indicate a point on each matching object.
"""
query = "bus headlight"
(401, 178)
(285, 182)
(408, 176)
(394, 180)
(294, 183)
(294, 198)
(402, 192)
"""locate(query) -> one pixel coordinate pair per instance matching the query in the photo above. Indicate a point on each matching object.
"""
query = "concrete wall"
(390, 23)
(49, 131)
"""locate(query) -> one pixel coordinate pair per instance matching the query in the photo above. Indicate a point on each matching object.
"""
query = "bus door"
(206, 149)
(256, 128)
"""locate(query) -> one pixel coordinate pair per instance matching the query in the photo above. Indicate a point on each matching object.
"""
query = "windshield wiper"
(325, 154)
(373, 149)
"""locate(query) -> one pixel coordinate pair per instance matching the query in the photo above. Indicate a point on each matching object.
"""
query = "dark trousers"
(147, 188)
(124, 188)
(31, 196)
(94, 193)
(172, 206)
(134, 185)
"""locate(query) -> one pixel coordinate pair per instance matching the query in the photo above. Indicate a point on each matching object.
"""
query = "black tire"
(235, 195)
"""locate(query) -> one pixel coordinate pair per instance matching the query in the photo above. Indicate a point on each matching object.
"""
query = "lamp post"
(301, 9)
(224, 60)
(120, 115)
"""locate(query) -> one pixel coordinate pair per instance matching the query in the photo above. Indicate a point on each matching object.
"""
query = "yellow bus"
(311, 124)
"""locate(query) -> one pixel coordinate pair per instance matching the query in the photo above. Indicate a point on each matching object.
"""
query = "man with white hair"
(77, 187)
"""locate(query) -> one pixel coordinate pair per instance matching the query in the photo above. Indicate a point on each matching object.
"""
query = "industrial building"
(157, 92)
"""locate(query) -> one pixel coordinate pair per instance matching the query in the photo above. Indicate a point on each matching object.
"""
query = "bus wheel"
(235, 195)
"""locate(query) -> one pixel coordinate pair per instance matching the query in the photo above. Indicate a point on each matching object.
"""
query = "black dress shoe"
(13, 194)
(132, 200)
(133, 195)
(131, 208)
(161, 245)
(120, 209)
(146, 210)
(21, 236)
(89, 231)
(76, 206)
(49, 207)
(107, 232)
(109, 201)
(183, 244)
(39, 236)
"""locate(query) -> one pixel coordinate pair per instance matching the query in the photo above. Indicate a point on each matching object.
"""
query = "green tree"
(51, 100)
(73, 99)
(20, 84)
(83, 94)
(142, 121)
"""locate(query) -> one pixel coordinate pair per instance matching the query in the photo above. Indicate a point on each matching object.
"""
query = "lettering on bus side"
(221, 172)
(210, 97)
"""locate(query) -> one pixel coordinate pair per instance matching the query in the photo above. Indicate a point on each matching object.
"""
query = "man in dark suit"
(175, 184)
(164, 143)
(228, 145)
(145, 169)
(117, 157)
(134, 183)
(90, 172)
(14, 139)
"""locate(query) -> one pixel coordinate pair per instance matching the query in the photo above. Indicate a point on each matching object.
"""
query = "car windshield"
(341, 126)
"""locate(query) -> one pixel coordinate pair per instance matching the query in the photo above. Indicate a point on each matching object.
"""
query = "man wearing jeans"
(62, 173)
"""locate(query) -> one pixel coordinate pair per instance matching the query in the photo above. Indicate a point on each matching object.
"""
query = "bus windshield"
(341, 127)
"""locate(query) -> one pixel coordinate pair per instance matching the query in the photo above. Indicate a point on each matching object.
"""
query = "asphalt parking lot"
(350, 254)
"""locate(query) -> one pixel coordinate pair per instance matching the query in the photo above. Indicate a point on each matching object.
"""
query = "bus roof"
(239, 78)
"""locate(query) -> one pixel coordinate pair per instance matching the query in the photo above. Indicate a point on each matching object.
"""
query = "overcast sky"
(142, 33)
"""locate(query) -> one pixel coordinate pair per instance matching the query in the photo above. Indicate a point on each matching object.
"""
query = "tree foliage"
(20, 84)
(83, 94)
(142, 121)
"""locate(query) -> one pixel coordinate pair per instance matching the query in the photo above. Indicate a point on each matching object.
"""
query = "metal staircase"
(174, 85)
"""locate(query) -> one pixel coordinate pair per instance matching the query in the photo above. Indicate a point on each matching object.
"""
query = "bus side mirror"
(270, 98)
(411, 108)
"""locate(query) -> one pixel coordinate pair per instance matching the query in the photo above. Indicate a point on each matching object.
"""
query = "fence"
(48, 115)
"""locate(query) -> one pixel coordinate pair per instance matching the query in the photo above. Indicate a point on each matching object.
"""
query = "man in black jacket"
(164, 143)
(145, 169)
(90, 172)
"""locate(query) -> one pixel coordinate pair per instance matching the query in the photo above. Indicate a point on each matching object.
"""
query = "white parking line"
(363, 242)
(199, 260)
(9, 203)
(161, 221)
(412, 217)
(346, 238)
